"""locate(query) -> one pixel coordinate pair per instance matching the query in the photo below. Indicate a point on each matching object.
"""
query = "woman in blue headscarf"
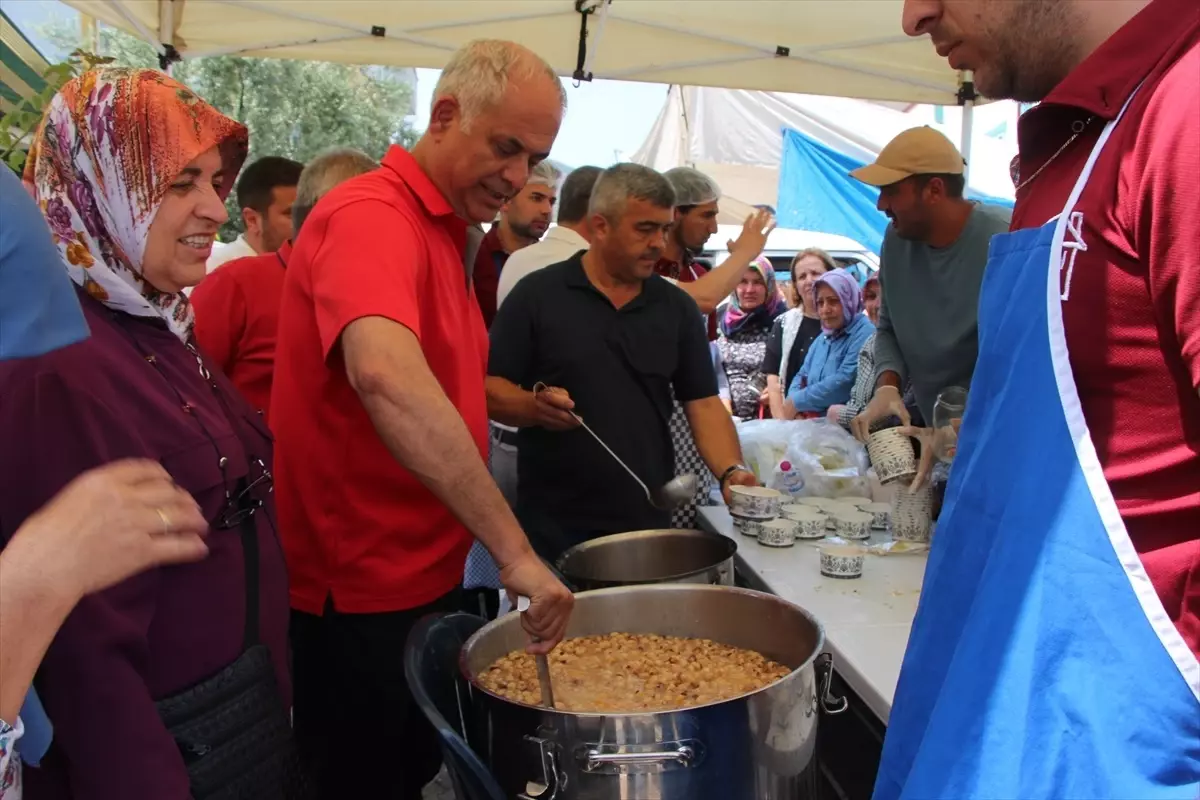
(744, 328)
(829, 369)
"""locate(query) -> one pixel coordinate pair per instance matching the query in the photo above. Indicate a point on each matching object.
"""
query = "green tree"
(293, 109)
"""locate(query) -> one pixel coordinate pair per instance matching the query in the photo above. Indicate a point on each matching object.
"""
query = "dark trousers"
(355, 720)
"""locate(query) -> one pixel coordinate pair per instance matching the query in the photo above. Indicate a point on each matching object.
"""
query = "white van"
(784, 243)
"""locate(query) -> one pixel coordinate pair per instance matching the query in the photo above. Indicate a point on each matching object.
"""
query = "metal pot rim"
(694, 533)
(818, 648)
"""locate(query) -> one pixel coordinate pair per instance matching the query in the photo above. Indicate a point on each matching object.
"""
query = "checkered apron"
(688, 460)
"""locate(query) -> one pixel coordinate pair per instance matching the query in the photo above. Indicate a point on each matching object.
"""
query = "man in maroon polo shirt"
(1131, 293)
(1054, 649)
(523, 221)
(380, 418)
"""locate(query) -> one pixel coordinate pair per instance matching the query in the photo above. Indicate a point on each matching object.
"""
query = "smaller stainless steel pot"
(654, 556)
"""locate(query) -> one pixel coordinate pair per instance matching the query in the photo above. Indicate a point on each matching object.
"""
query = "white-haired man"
(380, 417)
(523, 221)
(237, 307)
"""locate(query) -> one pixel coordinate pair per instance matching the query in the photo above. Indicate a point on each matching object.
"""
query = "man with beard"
(523, 221)
(931, 267)
(602, 336)
(1054, 651)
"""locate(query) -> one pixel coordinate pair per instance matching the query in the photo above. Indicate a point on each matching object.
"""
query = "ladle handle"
(543, 665)
(617, 458)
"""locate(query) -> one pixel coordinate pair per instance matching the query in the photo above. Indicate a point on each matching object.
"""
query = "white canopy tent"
(735, 136)
(850, 48)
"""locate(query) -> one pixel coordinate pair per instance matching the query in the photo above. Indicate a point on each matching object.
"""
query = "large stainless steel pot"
(758, 746)
(655, 556)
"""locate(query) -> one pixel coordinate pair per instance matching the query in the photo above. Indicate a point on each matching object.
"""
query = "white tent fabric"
(735, 136)
(852, 48)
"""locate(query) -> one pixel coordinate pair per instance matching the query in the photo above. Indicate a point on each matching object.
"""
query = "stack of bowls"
(892, 456)
(755, 512)
(912, 513)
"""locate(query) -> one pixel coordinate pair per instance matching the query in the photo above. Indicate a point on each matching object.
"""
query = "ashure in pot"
(758, 746)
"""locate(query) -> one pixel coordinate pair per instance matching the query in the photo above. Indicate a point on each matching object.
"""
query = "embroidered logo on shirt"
(1072, 245)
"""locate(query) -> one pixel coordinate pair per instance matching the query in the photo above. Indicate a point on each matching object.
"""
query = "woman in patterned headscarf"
(131, 170)
(744, 328)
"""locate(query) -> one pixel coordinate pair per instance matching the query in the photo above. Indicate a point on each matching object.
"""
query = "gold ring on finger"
(166, 521)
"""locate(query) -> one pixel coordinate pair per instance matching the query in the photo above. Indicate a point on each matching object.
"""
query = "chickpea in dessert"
(630, 673)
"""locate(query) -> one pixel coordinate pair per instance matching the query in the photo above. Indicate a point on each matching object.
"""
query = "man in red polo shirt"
(380, 418)
(237, 307)
(523, 221)
(1054, 652)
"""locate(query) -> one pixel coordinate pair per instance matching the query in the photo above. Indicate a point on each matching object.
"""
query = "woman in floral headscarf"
(131, 170)
(744, 327)
(829, 369)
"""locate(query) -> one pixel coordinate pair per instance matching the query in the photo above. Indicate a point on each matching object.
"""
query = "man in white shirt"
(265, 193)
(561, 242)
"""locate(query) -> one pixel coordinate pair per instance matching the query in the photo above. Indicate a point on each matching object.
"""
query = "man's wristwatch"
(728, 472)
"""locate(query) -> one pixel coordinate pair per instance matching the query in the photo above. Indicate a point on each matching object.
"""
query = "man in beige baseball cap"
(931, 268)
(916, 151)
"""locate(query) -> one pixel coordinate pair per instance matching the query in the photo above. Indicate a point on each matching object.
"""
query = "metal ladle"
(674, 492)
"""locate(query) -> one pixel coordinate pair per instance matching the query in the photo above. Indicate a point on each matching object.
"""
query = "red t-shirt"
(686, 271)
(237, 316)
(355, 524)
(1132, 307)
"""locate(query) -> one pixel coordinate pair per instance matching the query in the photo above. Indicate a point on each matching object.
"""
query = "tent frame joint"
(168, 56)
(966, 93)
(782, 52)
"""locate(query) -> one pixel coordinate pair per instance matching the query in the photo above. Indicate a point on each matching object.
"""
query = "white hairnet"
(545, 174)
(692, 187)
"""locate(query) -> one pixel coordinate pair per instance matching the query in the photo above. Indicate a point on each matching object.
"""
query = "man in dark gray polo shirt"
(611, 340)
(931, 269)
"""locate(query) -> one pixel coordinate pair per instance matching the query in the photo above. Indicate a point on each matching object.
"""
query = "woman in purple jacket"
(131, 170)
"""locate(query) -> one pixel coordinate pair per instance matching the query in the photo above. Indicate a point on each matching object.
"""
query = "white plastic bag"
(764, 446)
(805, 458)
(831, 461)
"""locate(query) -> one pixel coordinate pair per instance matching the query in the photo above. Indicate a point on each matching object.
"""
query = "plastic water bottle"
(790, 480)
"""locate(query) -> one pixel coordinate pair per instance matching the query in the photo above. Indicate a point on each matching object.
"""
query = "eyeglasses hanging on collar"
(243, 504)
(242, 500)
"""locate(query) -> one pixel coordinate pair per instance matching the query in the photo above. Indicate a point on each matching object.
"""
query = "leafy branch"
(18, 125)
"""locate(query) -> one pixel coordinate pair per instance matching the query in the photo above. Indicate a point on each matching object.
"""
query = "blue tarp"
(816, 193)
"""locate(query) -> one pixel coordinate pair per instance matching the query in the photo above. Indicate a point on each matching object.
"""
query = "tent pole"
(968, 119)
(966, 99)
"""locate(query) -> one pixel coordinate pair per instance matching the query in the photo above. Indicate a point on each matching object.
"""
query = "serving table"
(867, 621)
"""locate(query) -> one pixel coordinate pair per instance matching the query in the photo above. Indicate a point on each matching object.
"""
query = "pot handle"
(548, 790)
(683, 754)
(824, 670)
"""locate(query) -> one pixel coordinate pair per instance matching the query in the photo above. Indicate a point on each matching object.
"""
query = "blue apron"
(1041, 662)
